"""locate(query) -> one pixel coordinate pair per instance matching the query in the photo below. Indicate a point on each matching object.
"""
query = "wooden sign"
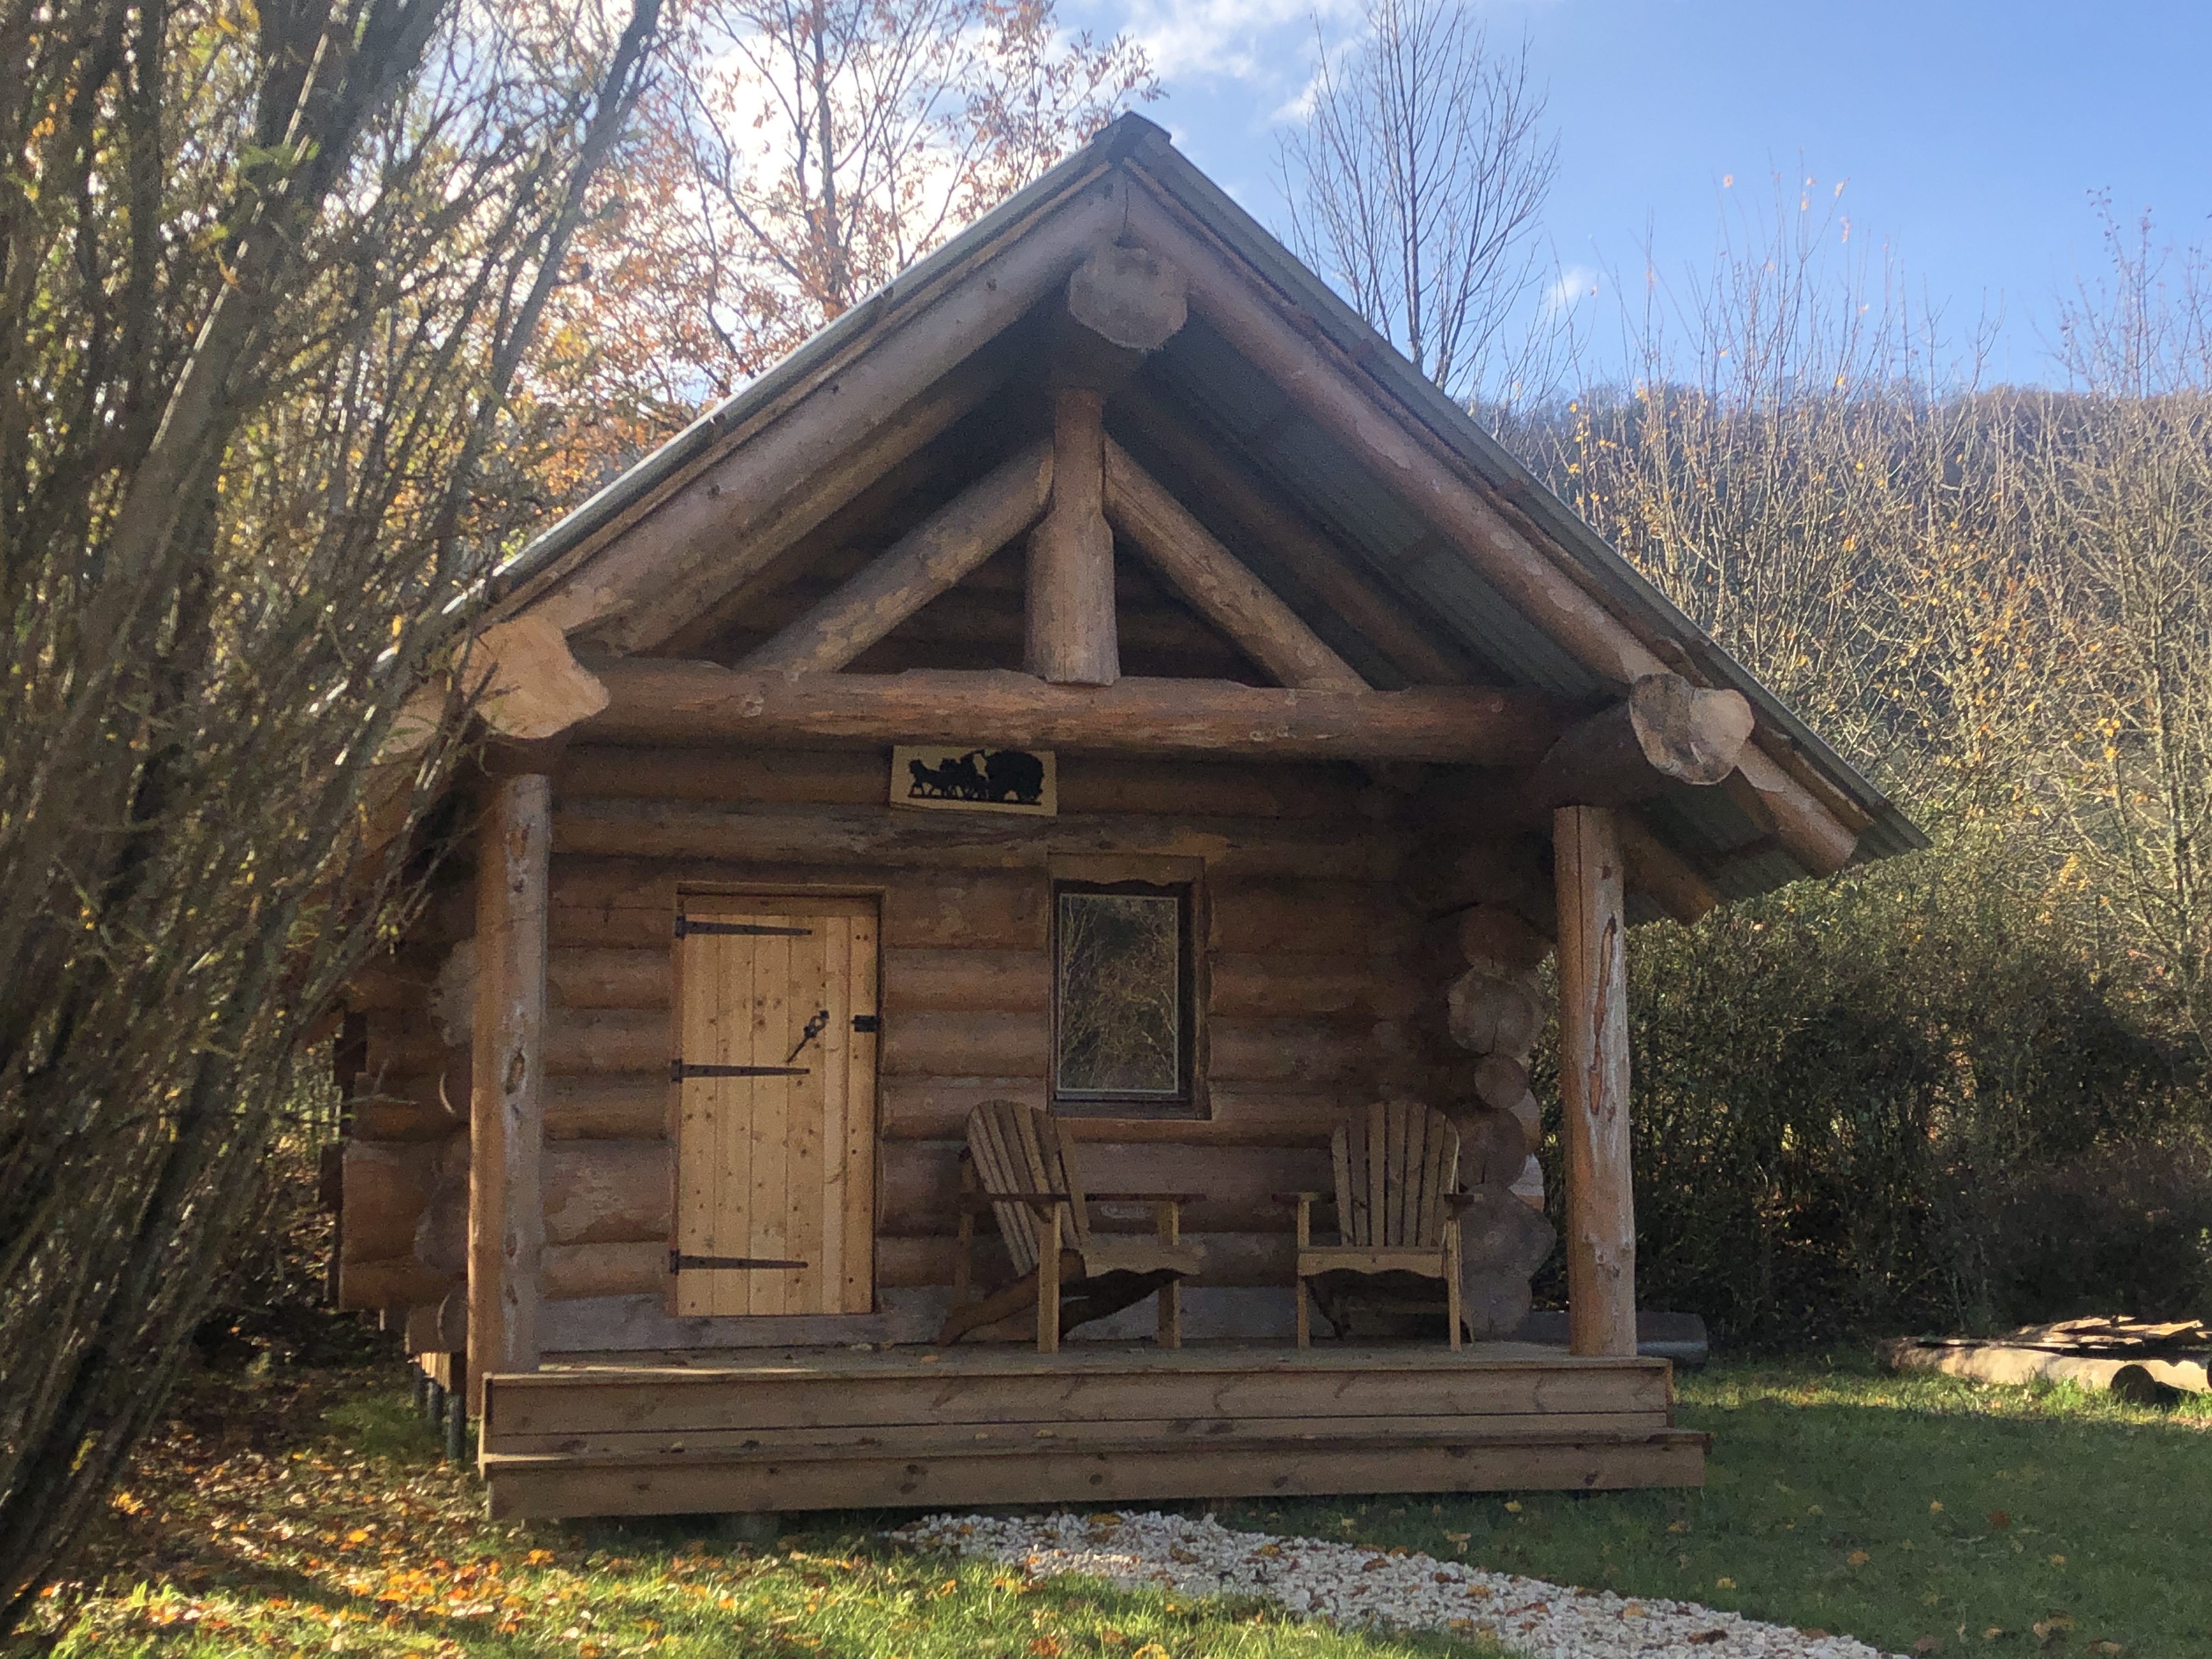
(974, 779)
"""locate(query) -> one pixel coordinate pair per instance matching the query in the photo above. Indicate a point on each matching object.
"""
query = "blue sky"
(1969, 137)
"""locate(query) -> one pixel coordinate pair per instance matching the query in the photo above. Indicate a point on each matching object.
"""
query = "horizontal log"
(1184, 788)
(595, 1041)
(932, 1044)
(1273, 986)
(979, 909)
(1285, 1051)
(404, 1040)
(608, 1192)
(954, 981)
(1494, 1013)
(883, 836)
(1336, 918)
(573, 1270)
(394, 1282)
(1666, 732)
(628, 1107)
(385, 1188)
(1498, 935)
(1239, 1114)
(603, 977)
(654, 700)
(851, 777)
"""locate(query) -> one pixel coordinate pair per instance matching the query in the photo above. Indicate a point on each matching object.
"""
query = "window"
(1122, 1005)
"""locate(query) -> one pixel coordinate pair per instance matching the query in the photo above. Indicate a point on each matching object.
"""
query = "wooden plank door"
(776, 1106)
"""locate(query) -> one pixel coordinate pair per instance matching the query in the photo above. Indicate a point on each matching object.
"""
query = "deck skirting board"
(556, 1487)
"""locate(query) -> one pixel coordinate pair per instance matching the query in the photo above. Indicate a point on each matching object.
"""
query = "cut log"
(1289, 536)
(1208, 575)
(1071, 638)
(1501, 1081)
(691, 703)
(923, 563)
(1662, 874)
(1495, 1013)
(1594, 1083)
(1774, 801)
(527, 683)
(1667, 731)
(1130, 297)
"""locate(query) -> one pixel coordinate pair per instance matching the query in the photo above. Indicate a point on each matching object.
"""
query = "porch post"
(507, 1212)
(1594, 1081)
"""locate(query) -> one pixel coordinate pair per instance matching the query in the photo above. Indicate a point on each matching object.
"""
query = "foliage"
(1899, 1509)
(305, 1512)
(797, 156)
(265, 275)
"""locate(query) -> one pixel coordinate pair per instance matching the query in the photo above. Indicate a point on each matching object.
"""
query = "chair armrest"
(1302, 1198)
(976, 1202)
(1459, 1201)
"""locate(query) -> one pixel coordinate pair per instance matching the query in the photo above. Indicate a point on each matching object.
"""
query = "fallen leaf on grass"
(1928, 1645)
(2105, 1644)
(1723, 1583)
(1858, 1558)
(2000, 1520)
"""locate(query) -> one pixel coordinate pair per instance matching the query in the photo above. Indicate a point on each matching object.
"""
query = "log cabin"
(1102, 566)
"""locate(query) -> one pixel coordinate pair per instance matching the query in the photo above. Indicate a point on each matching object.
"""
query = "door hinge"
(678, 1070)
(686, 926)
(678, 1262)
(868, 1024)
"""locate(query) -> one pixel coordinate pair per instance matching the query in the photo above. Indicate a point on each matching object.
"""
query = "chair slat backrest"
(1392, 1174)
(1017, 1149)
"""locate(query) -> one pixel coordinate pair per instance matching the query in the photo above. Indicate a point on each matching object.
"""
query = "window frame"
(1189, 1099)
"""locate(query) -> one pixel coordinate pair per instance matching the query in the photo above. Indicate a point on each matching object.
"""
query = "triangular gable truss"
(751, 497)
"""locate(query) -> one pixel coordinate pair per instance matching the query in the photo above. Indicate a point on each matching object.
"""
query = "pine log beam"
(651, 573)
(1593, 970)
(1665, 732)
(1070, 618)
(1123, 304)
(507, 1096)
(921, 565)
(654, 700)
(1207, 575)
(1307, 554)
(1391, 444)
(1662, 875)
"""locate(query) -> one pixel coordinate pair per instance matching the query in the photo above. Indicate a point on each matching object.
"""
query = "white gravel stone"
(1353, 1585)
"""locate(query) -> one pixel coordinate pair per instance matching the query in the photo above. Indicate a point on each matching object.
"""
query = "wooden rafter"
(1308, 555)
(922, 564)
(1071, 638)
(1208, 575)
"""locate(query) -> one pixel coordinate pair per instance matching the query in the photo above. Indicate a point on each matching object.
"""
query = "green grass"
(324, 1524)
(311, 1515)
(1895, 1509)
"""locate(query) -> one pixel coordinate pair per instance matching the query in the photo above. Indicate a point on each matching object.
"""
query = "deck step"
(552, 1486)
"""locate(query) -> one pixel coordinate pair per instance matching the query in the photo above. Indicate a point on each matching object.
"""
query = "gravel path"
(1350, 1585)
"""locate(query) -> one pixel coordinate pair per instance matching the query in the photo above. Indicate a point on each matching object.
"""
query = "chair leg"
(1305, 1314)
(1171, 1316)
(1452, 1293)
(1047, 1282)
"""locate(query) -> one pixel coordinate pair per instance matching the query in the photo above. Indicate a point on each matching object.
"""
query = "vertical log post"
(1594, 1082)
(1071, 638)
(507, 1209)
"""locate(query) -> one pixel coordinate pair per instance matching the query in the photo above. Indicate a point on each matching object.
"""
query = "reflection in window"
(1120, 992)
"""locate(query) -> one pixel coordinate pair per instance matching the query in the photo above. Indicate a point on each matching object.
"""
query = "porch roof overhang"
(1363, 513)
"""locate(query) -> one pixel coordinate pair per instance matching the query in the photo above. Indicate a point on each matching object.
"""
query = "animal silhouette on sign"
(1006, 776)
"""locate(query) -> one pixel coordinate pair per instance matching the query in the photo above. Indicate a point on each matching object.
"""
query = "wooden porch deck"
(820, 1429)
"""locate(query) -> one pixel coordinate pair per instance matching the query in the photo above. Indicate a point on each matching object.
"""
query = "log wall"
(1323, 979)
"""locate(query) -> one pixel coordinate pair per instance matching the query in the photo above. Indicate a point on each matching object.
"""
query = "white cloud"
(1575, 284)
(1232, 39)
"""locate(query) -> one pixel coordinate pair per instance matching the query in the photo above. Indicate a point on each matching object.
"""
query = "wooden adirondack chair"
(1397, 1205)
(1017, 1168)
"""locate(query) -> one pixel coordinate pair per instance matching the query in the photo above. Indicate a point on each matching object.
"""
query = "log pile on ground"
(2137, 1360)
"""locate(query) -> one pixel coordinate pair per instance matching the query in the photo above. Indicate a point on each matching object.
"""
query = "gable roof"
(1366, 516)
